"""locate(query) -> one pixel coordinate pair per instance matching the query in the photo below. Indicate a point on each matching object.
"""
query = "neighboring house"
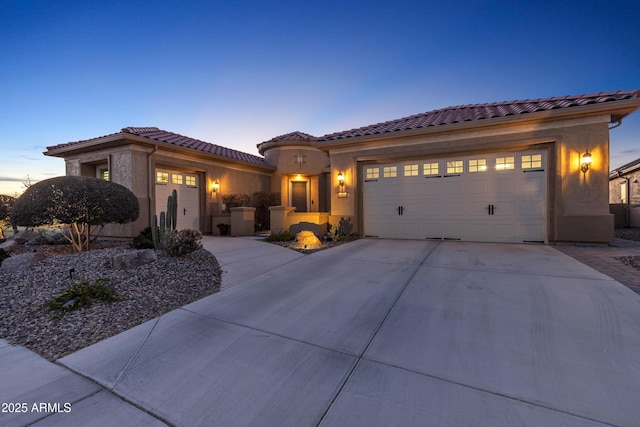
(624, 194)
(500, 172)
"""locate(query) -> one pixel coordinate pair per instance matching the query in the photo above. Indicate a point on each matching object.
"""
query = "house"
(518, 171)
(624, 194)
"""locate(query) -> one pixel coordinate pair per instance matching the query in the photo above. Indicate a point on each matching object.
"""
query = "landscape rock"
(307, 240)
(133, 259)
(17, 263)
(9, 245)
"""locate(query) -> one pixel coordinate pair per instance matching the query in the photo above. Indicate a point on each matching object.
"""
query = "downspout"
(616, 124)
(152, 181)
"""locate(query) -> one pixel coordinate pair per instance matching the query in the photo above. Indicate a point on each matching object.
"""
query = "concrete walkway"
(374, 332)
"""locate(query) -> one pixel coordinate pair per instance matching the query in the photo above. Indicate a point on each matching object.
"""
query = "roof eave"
(617, 110)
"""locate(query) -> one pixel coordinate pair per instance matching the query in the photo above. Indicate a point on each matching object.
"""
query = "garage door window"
(176, 178)
(505, 163)
(532, 161)
(190, 180)
(478, 165)
(456, 166)
(162, 177)
(373, 173)
(390, 171)
(430, 169)
(411, 170)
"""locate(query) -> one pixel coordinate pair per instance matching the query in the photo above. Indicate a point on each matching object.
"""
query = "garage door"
(186, 185)
(486, 198)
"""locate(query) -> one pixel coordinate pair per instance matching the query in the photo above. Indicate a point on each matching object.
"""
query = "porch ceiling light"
(586, 162)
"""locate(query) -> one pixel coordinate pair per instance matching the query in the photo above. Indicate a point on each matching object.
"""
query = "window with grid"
(372, 173)
(190, 180)
(455, 166)
(478, 165)
(390, 171)
(176, 178)
(532, 161)
(411, 170)
(430, 169)
(104, 174)
(505, 163)
(162, 177)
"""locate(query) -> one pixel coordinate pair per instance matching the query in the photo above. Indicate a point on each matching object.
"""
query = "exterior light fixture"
(341, 193)
(215, 187)
(341, 181)
(586, 162)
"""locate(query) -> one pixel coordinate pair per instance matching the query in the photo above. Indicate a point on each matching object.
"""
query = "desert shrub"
(281, 236)
(236, 200)
(6, 202)
(80, 203)
(83, 294)
(3, 255)
(182, 242)
(144, 239)
(261, 201)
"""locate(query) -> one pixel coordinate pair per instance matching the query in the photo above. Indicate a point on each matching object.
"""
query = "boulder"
(20, 262)
(307, 240)
(133, 259)
(9, 245)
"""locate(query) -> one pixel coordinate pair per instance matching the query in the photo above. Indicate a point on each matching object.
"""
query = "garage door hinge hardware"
(533, 241)
(370, 180)
(534, 170)
(435, 176)
(400, 210)
(451, 238)
(449, 176)
(491, 209)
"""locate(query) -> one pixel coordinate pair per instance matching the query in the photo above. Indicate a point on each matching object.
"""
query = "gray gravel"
(147, 292)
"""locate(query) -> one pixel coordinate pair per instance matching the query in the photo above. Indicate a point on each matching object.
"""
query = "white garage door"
(186, 185)
(485, 198)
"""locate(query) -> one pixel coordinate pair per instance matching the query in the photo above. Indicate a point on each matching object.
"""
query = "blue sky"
(237, 73)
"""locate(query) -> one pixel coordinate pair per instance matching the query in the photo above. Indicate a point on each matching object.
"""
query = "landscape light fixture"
(586, 162)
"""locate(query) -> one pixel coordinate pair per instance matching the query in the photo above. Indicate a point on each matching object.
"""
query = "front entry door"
(299, 195)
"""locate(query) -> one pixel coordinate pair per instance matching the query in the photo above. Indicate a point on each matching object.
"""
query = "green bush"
(281, 236)
(83, 294)
(143, 240)
(236, 200)
(180, 243)
(78, 202)
(6, 202)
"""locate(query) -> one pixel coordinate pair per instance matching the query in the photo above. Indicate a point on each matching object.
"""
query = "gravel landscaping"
(145, 292)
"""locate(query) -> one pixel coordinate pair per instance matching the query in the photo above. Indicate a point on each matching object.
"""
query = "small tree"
(79, 203)
(6, 202)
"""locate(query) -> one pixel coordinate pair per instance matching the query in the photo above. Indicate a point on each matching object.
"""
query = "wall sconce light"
(586, 162)
(215, 187)
(341, 193)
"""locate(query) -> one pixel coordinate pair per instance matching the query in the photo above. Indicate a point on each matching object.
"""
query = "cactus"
(168, 221)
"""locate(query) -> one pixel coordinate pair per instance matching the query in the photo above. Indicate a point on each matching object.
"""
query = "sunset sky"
(237, 73)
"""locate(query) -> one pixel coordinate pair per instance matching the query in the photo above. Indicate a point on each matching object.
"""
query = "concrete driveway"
(385, 332)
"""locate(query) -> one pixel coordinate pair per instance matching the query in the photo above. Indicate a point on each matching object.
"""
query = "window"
(373, 173)
(190, 180)
(623, 192)
(162, 177)
(410, 170)
(504, 163)
(430, 169)
(456, 166)
(176, 178)
(104, 174)
(478, 165)
(390, 171)
(532, 161)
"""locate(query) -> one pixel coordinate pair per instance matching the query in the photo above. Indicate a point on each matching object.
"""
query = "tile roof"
(182, 141)
(293, 136)
(626, 168)
(470, 113)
